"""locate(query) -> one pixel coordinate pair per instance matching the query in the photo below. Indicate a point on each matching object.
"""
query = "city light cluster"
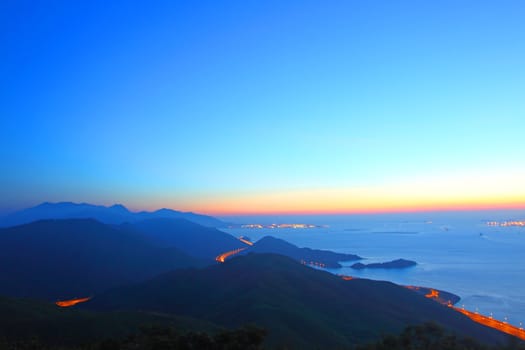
(274, 226)
(511, 223)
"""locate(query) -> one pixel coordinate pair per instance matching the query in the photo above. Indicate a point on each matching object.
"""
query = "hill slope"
(55, 259)
(300, 306)
(195, 240)
(116, 214)
(308, 256)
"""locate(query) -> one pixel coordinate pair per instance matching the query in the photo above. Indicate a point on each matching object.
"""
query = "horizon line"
(370, 211)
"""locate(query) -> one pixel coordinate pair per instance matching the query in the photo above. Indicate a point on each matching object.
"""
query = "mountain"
(301, 307)
(192, 239)
(116, 214)
(54, 259)
(307, 256)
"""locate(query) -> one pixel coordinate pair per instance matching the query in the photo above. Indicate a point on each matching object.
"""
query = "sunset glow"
(272, 121)
(342, 201)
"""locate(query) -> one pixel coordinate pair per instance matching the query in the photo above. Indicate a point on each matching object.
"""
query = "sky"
(246, 107)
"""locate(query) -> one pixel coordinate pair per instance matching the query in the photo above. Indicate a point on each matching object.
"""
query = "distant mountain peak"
(114, 214)
(119, 207)
(166, 210)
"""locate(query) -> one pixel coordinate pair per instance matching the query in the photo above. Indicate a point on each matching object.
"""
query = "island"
(394, 264)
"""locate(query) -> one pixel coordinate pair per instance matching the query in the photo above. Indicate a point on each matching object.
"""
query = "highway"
(488, 321)
(492, 323)
(245, 241)
(72, 302)
(222, 258)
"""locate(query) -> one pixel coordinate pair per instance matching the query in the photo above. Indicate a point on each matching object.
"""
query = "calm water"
(455, 252)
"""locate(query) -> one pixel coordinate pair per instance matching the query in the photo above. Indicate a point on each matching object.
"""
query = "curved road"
(222, 258)
(72, 302)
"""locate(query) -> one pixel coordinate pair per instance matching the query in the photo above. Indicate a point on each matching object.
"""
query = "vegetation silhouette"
(158, 338)
(431, 336)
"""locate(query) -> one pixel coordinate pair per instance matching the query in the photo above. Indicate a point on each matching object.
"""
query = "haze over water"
(456, 252)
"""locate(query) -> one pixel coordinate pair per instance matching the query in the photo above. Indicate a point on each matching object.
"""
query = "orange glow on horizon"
(322, 208)
(474, 191)
(246, 207)
(331, 208)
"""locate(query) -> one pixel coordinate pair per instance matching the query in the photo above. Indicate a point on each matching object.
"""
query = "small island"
(394, 264)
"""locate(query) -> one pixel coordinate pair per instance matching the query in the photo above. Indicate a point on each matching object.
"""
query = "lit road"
(72, 302)
(222, 258)
(492, 323)
(476, 317)
(245, 241)
(488, 321)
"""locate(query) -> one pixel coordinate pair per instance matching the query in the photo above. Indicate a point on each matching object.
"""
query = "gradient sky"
(231, 107)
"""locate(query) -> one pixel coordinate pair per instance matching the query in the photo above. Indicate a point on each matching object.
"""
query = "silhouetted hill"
(68, 258)
(300, 306)
(306, 255)
(116, 214)
(193, 239)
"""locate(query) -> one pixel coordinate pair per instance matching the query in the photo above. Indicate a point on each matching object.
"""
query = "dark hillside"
(55, 259)
(192, 239)
(299, 306)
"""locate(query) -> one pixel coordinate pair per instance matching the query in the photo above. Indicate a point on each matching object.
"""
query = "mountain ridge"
(114, 214)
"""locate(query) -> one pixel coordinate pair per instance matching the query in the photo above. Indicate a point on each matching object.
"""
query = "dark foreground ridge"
(299, 306)
(33, 324)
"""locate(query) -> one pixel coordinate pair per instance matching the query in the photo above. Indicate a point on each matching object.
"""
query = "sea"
(469, 254)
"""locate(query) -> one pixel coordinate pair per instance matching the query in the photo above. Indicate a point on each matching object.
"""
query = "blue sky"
(261, 106)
